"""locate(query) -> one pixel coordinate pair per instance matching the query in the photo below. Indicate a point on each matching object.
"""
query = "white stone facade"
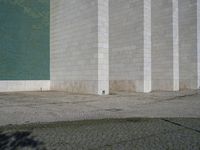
(147, 47)
(175, 46)
(103, 46)
(188, 44)
(162, 45)
(140, 45)
(198, 40)
(126, 40)
(79, 46)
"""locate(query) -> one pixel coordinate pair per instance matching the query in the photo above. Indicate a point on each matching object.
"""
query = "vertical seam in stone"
(175, 46)
(147, 46)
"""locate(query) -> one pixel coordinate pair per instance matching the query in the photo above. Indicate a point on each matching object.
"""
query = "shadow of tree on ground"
(19, 140)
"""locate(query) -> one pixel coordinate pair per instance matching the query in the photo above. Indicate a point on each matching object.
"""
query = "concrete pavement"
(32, 107)
(111, 134)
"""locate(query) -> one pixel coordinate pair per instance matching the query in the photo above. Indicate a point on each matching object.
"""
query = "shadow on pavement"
(19, 140)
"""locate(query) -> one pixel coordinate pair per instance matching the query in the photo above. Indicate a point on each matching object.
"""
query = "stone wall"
(188, 43)
(127, 44)
(162, 45)
(79, 46)
(100, 45)
(198, 41)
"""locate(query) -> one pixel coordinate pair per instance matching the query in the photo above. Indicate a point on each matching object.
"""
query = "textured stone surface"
(198, 40)
(130, 61)
(103, 47)
(147, 46)
(100, 45)
(79, 46)
(162, 45)
(188, 44)
(176, 55)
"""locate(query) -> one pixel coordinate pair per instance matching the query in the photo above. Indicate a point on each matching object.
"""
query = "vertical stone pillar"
(165, 53)
(79, 46)
(198, 41)
(103, 47)
(147, 45)
(175, 46)
(189, 43)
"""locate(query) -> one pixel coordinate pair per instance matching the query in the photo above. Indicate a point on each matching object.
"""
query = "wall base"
(24, 85)
(126, 85)
(81, 87)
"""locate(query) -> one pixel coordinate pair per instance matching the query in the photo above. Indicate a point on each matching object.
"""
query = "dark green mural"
(24, 39)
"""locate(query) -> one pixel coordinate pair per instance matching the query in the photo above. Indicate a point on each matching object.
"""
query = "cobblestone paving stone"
(108, 134)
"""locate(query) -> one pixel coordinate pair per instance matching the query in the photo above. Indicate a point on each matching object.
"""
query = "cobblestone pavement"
(33, 107)
(113, 134)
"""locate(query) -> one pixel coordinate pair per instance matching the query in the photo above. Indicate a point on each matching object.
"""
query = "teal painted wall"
(24, 40)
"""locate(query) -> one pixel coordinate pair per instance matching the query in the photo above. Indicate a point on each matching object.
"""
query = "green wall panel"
(24, 40)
